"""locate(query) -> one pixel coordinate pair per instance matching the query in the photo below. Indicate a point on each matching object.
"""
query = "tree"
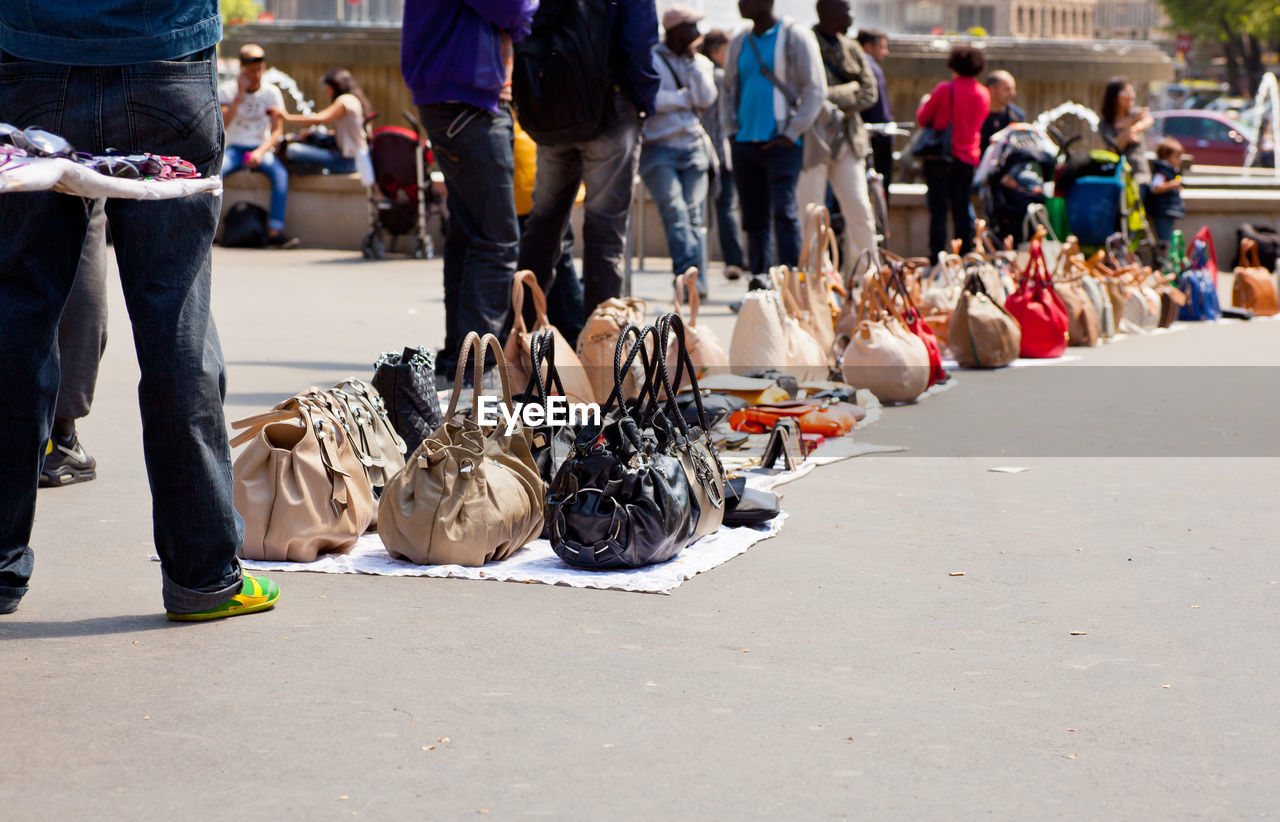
(1241, 26)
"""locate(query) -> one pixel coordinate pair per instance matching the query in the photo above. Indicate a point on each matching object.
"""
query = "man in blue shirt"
(766, 118)
(75, 69)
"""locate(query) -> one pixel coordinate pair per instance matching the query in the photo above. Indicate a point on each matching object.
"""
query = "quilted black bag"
(407, 384)
(622, 498)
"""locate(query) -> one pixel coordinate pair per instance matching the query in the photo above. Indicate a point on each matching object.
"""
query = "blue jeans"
(767, 188)
(676, 177)
(276, 173)
(474, 149)
(305, 158)
(164, 249)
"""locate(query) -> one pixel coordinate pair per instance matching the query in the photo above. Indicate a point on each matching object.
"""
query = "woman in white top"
(345, 116)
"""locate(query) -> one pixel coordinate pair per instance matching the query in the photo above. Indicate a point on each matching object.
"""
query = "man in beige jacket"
(851, 89)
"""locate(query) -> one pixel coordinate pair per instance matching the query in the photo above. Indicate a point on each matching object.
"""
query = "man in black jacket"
(606, 164)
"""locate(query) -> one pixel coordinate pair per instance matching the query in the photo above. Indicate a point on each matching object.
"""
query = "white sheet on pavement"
(67, 177)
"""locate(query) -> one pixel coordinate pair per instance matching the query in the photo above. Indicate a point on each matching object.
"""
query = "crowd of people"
(759, 122)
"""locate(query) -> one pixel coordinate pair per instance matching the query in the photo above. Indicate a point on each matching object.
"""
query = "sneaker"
(282, 240)
(732, 272)
(257, 594)
(66, 463)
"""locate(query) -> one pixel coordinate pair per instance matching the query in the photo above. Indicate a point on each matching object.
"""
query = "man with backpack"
(584, 80)
(456, 59)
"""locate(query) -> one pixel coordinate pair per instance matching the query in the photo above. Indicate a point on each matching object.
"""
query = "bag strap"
(787, 94)
(1249, 254)
(521, 281)
(670, 68)
(687, 290)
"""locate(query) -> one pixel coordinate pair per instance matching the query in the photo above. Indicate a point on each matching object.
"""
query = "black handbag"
(408, 387)
(550, 443)
(622, 497)
(935, 143)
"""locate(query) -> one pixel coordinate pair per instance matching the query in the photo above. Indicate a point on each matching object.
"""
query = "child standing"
(1164, 200)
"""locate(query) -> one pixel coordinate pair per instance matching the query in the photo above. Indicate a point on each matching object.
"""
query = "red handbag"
(1039, 310)
(915, 321)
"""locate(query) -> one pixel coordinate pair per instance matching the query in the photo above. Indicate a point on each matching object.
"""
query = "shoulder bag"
(983, 334)
(1254, 287)
(1039, 310)
(519, 342)
(883, 355)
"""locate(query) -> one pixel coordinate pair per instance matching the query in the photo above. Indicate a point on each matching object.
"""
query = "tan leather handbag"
(573, 376)
(599, 338)
(807, 359)
(1085, 328)
(883, 355)
(379, 446)
(1253, 287)
(705, 348)
(982, 333)
(299, 484)
(816, 283)
(759, 338)
(469, 494)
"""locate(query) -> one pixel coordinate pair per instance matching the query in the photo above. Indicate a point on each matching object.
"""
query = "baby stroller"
(401, 198)
(1013, 172)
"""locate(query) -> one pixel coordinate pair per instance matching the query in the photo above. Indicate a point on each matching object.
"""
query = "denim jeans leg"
(474, 149)
(609, 170)
(82, 331)
(659, 167)
(233, 159)
(694, 184)
(751, 176)
(279, 177)
(554, 190)
(784, 174)
(308, 159)
(728, 224)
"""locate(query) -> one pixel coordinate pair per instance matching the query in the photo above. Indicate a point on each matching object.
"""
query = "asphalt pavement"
(1091, 638)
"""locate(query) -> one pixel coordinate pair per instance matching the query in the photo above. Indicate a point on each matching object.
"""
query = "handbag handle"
(687, 291)
(543, 353)
(474, 347)
(1249, 254)
(669, 324)
(522, 280)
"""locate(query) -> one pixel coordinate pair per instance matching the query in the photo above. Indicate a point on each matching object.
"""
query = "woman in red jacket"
(963, 104)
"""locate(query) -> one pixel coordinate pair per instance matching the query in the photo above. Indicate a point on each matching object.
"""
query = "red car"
(1212, 139)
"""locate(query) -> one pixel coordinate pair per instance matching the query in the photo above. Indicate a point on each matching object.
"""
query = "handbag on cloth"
(468, 494)
(1254, 287)
(916, 323)
(813, 416)
(600, 336)
(818, 283)
(983, 334)
(380, 449)
(705, 348)
(550, 443)
(622, 499)
(883, 355)
(759, 338)
(1084, 327)
(1039, 310)
(407, 384)
(808, 325)
(1103, 310)
(519, 342)
(299, 484)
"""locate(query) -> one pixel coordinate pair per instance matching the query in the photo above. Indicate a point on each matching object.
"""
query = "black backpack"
(561, 81)
(245, 226)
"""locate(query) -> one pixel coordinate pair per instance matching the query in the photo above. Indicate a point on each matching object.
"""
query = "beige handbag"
(573, 376)
(379, 447)
(815, 285)
(469, 494)
(883, 355)
(705, 348)
(806, 357)
(599, 338)
(299, 484)
(982, 334)
(1085, 327)
(759, 339)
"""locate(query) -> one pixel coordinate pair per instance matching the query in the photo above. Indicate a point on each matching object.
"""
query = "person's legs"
(233, 159)
(694, 183)
(564, 300)
(166, 288)
(82, 337)
(848, 176)
(882, 161)
(751, 175)
(728, 223)
(279, 177)
(783, 165)
(937, 194)
(662, 176)
(961, 194)
(305, 158)
(609, 169)
(554, 189)
(474, 149)
(1163, 228)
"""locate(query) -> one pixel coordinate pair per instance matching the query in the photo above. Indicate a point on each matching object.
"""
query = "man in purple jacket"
(456, 59)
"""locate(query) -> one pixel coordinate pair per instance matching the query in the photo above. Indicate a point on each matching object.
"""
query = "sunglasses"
(35, 141)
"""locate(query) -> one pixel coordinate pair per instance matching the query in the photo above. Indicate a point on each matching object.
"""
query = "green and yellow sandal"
(257, 594)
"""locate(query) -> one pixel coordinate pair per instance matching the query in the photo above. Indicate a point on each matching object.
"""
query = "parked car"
(1211, 138)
